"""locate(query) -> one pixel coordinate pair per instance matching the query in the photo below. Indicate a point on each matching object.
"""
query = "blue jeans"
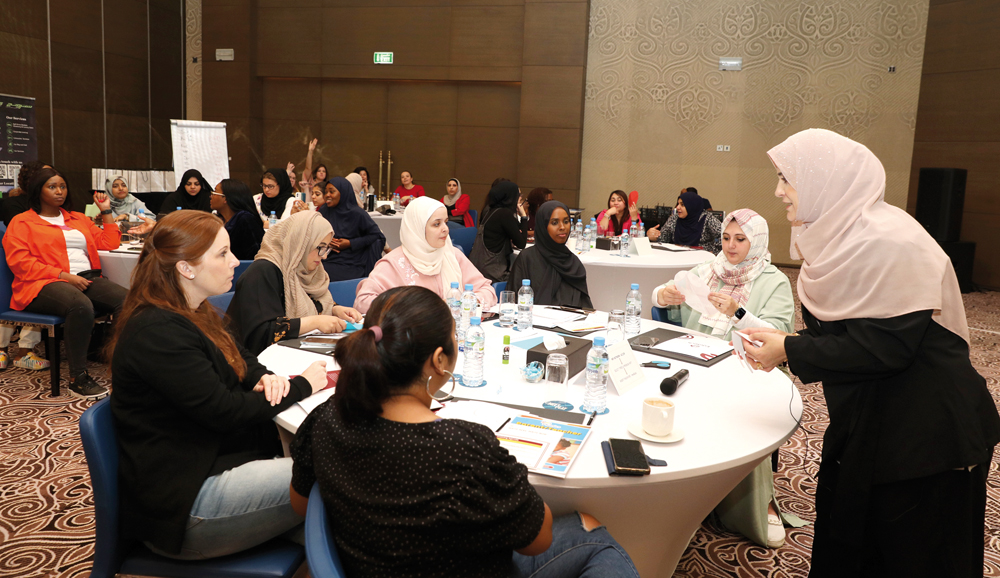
(575, 552)
(239, 509)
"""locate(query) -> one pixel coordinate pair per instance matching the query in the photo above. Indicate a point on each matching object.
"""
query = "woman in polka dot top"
(410, 494)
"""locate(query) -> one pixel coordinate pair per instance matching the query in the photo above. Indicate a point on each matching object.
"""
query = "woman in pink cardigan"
(426, 258)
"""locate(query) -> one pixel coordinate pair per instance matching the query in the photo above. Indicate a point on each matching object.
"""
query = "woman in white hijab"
(902, 480)
(359, 191)
(426, 257)
(746, 290)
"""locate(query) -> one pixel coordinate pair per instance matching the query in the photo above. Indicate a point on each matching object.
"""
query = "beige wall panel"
(489, 105)
(487, 35)
(428, 151)
(423, 103)
(292, 99)
(960, 106)
(552, 96)
(290, 34)
(549, 157)
(346, 145)
(483, 154)
(354, 101)
(417, 36)
(226, 89)
(555, 34)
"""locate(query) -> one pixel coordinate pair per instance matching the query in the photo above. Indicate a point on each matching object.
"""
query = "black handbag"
(493, 266)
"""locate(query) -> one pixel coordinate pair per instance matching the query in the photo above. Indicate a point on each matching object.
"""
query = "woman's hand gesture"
(724, 303)
(633, 211)
(102, 201)
(669, 295)
(347, 313)
(275, 387)
(312, 144)
(772, 353)
(315, 374)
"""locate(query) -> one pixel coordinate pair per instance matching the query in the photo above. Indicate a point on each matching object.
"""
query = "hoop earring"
(448, 396)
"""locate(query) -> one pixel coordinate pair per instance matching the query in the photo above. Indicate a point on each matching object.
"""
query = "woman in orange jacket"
(52, 252)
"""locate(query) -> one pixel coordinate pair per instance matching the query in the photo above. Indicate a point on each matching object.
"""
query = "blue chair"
(240, 269)
(221, 302)
(344, 292)
(115, 553)
(475, 217)
(51, 324)
(464, 237)
(660, 314)
(321, 550)
(499, 288)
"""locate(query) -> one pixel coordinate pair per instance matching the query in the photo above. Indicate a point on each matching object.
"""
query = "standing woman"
(557, 275)
(689, 225)
(902, 478)
(52, 252)
(408, 191)
(357, 241)
(278, 196)
(426, 258)
(194, 193)
(502, 227)
(233, 202)
(618, 217)
(199, 472)
(457, 204)
(285, 292)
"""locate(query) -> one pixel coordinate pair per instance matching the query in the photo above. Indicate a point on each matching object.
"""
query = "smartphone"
(629, 457)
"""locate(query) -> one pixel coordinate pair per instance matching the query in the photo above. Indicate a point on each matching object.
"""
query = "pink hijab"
(862, 257)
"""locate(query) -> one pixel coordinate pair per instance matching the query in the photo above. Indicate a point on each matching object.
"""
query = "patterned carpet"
(46, 507)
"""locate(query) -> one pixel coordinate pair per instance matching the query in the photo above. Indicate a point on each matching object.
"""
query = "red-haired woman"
(199, 478)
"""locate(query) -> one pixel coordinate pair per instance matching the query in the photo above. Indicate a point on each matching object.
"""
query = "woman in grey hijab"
(124, 204)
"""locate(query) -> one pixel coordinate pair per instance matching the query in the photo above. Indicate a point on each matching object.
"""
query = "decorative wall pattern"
(192, 49)
(657, 105)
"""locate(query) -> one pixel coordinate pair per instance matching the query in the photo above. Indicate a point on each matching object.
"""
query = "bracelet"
(106, 212)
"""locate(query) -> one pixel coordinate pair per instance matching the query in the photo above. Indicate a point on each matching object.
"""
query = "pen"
(592, 416)
(506, 421)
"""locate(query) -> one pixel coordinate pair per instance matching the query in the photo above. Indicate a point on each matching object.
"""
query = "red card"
(633, 198)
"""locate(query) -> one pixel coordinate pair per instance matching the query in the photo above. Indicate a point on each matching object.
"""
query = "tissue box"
(603, 243)
(576, 351)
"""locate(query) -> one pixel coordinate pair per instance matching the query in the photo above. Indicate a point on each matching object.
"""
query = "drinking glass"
(508, 308)
(615, 247)
(556, 376)
(615, 327)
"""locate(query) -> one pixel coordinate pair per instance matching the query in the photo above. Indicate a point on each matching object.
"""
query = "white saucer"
(635, 428)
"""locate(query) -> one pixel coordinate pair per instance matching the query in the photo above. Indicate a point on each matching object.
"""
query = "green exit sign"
(383, 58)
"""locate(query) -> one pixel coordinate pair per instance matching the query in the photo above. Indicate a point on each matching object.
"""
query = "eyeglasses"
(219, 194)
(268, 187)
(323, 251)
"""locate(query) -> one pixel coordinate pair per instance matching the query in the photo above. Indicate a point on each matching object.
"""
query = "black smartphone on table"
(628, 457)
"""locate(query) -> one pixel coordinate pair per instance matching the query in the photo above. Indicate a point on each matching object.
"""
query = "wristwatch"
(106, 212)
(740, 313)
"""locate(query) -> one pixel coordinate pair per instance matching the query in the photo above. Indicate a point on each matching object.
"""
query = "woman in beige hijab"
(902, 480)
(285, 292)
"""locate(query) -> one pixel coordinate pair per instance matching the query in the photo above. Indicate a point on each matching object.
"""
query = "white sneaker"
(775, 531)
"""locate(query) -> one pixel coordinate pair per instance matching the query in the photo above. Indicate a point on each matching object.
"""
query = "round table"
(117, 265)
(732, 419)
(389, 225)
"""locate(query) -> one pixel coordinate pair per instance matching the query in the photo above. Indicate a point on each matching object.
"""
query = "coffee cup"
(657, 416)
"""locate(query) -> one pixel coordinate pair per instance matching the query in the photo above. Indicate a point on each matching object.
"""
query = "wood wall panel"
(79, 143)
(549, 157)
(552, 34)
(489, 105)
(77, 23)
(28, 56)
(552, 96)
(487, 36)
(128, 141)
(345, 145)
(427, 151)
(287, 98)
(418, 36)
(354, 101)
(227, 25)
(128, 85)
(226, 89)
(23, 18)
(291, 36)
(958, 121)
(76, 78)
(485, 153)
(288, 140)
(124, 27)
(423, 103)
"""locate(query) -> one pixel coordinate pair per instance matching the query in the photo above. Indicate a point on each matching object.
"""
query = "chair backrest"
(321, 549)
(240, 269)
(499, 288)
(465, 237)
(221, 302)
(344, 292)
(100, 447)
(475, 217)
(658, 314)
(6, 279)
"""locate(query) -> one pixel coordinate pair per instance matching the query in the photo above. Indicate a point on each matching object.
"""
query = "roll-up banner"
(18, 137)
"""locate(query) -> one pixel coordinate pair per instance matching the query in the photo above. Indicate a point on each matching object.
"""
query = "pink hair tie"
(377, 331)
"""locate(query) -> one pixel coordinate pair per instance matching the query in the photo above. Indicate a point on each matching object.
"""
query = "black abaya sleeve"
(257, 311)
(245, 234)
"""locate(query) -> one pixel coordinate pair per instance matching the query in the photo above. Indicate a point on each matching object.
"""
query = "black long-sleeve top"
(245, 234)
(257, 312)
(182, 415)
(502, 225)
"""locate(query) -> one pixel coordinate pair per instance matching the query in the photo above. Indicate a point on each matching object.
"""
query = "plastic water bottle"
(272, 220)
(475, 350)
(454, 300)
(623, 250)
(395, 201)
(635, 230)
(595, 397)
(142, 215)
(525, 303)
(581, 237)
(633, 311)
(588, 235)
(467, 311)
(579, 228)
(593, 233)
(573, 239)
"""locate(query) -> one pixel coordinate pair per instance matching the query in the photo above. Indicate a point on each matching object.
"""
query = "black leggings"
(78, 307)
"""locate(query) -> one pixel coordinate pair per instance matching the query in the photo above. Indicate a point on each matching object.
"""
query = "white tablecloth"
(117, 265)
(389, 226)
(731, 420)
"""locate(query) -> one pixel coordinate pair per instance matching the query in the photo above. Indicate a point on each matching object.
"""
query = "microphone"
(670, 384)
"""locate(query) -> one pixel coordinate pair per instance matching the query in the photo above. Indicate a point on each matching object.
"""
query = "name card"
(640, 246)
(623, 368)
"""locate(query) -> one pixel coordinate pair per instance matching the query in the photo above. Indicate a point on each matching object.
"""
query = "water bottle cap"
(454, 284)
(468, 287)
(272, 212)
(525, 282)
(475, 321)
(635, 286)
(598, 342)
(178, 208)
